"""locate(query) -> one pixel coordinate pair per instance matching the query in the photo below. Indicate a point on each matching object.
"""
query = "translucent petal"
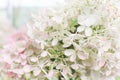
(27, 68)
(83, 55)
(73, 58)
(44, 54)
(69, 52)
(80, 29)
(36, 72)
(54, 42)
(33, 59)
(88, 31)
(75, 66)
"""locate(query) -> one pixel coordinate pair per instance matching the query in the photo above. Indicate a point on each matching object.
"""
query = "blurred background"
(15, 14)
(18, 12)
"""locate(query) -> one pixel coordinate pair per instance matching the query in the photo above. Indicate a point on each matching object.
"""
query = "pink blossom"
(18, 35)
(12, 74)
(7, 65)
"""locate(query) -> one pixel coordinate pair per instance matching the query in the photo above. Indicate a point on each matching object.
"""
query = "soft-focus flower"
(75, 41)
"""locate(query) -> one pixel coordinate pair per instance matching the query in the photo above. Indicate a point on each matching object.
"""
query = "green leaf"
(1, 46)
(72, 24)
(118, 78)
(54, 78)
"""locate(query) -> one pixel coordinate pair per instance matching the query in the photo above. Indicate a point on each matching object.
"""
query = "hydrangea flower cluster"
(75, 41)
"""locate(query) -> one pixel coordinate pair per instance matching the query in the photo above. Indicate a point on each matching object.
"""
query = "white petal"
(117, 55)
(42, 46)
(88, 20)
(36, 72)
(73, 58)
(67, 42)
(83, 56)
(84, 78)
(29, 52)
(60, 66)
(28, 76)
(26, 68)
(88, 31)
(17, 60)
(75, 66)
(64, 75)
(44, 53)
(33, 59)
(101, 63)
(50, 74)
(57, 19)
(69, 52)
(23, 56)
(81, 18)
(108, 73)
(76, 46)
(80, 29)
(106, 46)
(54, 42)
(18, 71)
(24, 62)
(21, 49)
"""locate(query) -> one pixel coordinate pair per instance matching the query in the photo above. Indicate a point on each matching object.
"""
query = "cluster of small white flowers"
(75, 41)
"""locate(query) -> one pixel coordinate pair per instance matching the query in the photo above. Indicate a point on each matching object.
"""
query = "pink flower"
(7, 65)
(16, 36)
(26, 46)
(12, 74)
(19, 36)
(44, 35)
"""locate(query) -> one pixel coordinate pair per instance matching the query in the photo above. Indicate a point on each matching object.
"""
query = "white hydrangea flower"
(82, 35)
